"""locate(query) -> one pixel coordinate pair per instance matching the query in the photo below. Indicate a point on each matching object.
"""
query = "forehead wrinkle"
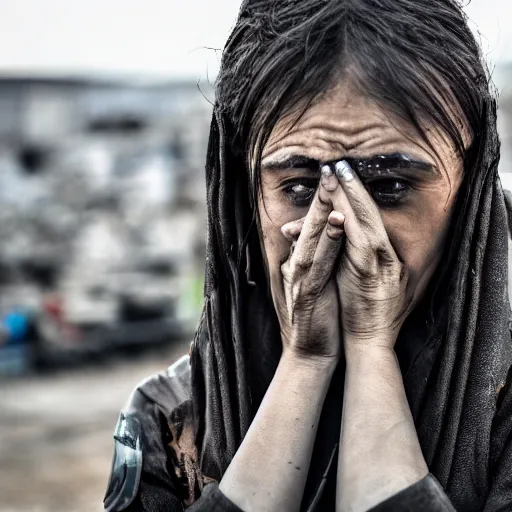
(339, 124)
(317, 145)
(331, 133)
(323, 145)
(348, 122)
(318, 140)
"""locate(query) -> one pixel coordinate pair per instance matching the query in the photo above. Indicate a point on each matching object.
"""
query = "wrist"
(378, 339)
(300, 361)
(364, 353)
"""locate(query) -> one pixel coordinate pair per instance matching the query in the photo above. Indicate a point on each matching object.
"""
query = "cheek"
(418, 235)
(274, 212)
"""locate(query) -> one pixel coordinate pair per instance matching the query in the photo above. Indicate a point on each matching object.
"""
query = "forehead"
(345, 123)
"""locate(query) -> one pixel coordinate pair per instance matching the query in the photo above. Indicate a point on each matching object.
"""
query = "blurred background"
(104, 121)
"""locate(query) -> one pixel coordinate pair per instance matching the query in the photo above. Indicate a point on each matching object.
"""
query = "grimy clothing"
(155, 454)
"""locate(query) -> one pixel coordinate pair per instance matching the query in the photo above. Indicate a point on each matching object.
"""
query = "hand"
(306, 298)
(371, 278)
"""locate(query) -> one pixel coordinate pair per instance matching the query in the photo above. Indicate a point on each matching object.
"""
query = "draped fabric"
(456, 382)
(221, 394)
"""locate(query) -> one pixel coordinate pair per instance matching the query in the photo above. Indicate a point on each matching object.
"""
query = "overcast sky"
(166, 38)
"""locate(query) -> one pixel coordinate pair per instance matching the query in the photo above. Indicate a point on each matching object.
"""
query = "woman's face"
(415, 196)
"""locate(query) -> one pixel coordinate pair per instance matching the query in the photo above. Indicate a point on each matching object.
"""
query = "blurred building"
(503, 79)
(101, 208)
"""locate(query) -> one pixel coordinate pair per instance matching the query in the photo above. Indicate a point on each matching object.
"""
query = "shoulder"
(143, 435)
(166, 389)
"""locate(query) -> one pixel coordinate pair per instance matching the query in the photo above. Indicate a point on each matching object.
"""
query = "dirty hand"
(306, 296)
(371, 278)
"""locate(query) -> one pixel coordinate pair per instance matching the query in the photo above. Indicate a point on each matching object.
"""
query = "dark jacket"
(155, 467)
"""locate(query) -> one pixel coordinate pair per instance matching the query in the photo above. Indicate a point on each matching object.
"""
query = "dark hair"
(416, 58)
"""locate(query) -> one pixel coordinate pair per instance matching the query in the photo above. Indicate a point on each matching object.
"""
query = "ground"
(56, 433)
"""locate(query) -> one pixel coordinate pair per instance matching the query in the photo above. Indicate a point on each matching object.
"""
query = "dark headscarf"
(456, 380)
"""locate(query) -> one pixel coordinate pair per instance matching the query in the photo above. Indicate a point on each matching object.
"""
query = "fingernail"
(335, 232)
(344, 171)
(328, 181)
(326, 171)
(336, 218)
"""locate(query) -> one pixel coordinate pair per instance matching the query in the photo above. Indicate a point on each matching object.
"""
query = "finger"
(364, 223)
(328, 249)
(314, 223)
(341, 205)
(362, 204)
(336, 218)
(328, 245)
(334, 229)
(291, 230)
(335, 224)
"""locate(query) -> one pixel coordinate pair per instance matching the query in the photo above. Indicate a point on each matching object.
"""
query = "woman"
(355, 346)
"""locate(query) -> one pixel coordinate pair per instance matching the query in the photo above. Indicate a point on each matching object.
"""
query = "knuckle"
(367, 267)
(323, 204)
(384, 257)
(334, 233)
(317, 229)
(300, 265)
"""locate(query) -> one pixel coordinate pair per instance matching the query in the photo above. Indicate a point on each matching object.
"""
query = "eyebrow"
(292, 162)
(367, 167)
(381, 164)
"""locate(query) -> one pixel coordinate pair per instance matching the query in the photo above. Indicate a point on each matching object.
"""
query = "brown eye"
(300, 193)
(388, 192)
